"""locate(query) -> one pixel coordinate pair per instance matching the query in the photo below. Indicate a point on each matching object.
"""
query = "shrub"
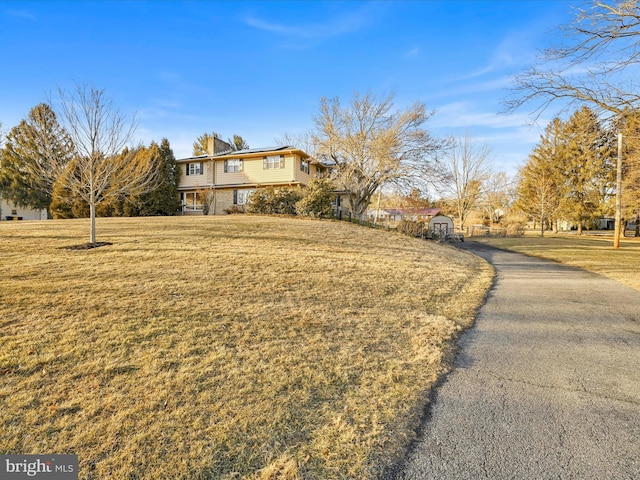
(234, 209)
(316, 199)
(413, 229)
(270, 200)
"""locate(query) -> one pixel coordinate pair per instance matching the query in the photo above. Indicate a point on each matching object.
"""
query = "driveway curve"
(545, 386)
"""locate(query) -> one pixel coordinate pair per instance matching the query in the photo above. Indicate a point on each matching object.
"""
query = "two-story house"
(225, 178)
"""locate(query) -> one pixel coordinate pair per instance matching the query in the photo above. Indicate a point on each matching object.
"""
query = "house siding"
(254, 173)
(301, 176)
(195, 181)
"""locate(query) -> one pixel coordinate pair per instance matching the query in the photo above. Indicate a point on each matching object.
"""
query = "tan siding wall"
(196, 180)
(304, 177)
(254, 172)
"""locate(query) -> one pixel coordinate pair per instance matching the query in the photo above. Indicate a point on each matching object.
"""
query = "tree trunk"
(637, 233)
(92, 205)
(92, 214)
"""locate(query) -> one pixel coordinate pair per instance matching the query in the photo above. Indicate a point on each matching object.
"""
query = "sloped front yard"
(224, 347)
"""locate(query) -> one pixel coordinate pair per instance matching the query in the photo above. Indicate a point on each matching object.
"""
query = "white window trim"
(195, 168)
(233, 165)
(272, 162)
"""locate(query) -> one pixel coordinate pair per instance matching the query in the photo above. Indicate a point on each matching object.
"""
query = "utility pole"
(375, 220)
(616, 234)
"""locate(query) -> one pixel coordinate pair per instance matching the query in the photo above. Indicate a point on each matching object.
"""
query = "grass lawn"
(592, 253)
(224, 347)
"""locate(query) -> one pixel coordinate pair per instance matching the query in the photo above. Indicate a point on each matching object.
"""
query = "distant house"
(225, 178)
(12, 212)
(394, 215)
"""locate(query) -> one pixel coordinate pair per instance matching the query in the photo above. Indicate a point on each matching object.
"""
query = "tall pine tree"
(630, 128)
(587, 168)
(36, 152)
(539, 180)
(164, 199)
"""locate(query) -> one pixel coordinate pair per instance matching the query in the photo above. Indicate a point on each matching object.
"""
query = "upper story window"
(273, 161)
(235, 165)
(195, 168)
(304, 165)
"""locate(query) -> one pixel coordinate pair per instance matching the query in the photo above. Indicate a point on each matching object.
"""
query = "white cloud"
(464, 114)
(498, 83)
(346, 22)
(516, 49)
(414, 52)
(22, 14)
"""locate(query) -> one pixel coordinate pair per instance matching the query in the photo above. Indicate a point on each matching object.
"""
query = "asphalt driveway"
(546, 385)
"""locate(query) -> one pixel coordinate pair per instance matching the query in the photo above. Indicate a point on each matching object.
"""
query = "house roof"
(251, 152)
(412, 211)
(256, 150)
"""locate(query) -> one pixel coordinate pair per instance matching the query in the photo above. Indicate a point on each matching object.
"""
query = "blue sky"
(260, 68)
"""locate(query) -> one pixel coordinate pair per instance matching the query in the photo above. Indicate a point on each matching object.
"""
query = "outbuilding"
(440, 227)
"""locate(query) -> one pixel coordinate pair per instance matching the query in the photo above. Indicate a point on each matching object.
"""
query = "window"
(235, 165)
(304, 165)
(240, 197)
(195, 168)
(273, 161)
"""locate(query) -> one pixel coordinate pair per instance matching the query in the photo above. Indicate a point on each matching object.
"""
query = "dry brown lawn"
(592, 253)
(224, 347)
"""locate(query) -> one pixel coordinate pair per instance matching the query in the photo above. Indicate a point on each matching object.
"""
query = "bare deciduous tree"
(468, 164)
(498, 196)
(538, 192)
(369, 144)
(104, 166)
(303, 141)
(598, 67)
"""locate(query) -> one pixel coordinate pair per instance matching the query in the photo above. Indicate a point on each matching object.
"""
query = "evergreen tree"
(238, 143)
(64, 204)
(164, 199)
(587, 168)
(35, 154)
(630, 128)
(316, 199)
(201, 145)
(538, 190)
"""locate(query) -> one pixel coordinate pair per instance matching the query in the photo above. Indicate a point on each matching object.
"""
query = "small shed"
(440, 227)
